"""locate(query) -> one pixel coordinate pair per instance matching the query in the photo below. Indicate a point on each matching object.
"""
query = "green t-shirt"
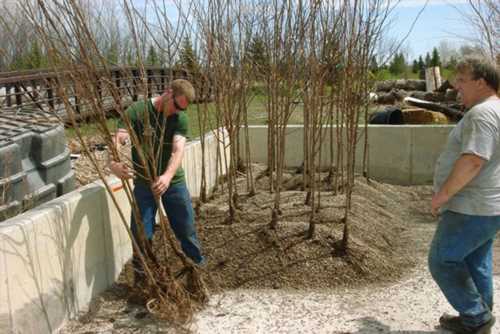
(163, 131)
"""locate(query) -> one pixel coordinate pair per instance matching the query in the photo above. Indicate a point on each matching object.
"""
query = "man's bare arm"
(179, 143)
(163, 181)
(120, 169)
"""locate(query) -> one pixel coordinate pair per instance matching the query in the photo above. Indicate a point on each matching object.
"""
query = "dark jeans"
(179, 209)
(460, 261)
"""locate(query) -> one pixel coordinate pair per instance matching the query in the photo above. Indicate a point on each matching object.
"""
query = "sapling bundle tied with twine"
(84, 81)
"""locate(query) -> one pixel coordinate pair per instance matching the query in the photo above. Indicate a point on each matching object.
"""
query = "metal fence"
(39, 90)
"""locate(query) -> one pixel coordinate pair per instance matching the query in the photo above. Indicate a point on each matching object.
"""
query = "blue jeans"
(460, 261)
(179, 209)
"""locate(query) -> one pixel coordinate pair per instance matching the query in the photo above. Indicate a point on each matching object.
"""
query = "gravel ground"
(411, 306)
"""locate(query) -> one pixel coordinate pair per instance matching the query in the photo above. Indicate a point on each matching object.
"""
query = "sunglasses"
(177, 106)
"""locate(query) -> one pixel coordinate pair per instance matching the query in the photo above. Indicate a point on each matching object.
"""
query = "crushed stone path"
(411, 306)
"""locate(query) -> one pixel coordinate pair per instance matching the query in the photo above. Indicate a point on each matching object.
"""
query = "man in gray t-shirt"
(477, 135)
(467, 193)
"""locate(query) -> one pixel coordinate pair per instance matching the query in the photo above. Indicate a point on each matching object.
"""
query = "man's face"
(180, 102)
(468, 88)
(175, 103)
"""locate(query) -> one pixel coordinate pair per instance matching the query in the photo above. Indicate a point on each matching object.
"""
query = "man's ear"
(483, 83)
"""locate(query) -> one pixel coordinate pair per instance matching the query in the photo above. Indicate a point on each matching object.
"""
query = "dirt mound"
(248, 254)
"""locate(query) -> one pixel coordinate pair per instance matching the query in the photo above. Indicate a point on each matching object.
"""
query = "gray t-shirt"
(477, 133)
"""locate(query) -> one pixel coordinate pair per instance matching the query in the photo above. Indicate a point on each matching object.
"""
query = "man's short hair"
(183, 87)
(480, 69)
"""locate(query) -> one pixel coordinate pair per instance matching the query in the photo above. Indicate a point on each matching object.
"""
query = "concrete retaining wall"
(396, 154)
(215, 143)
(56, 257)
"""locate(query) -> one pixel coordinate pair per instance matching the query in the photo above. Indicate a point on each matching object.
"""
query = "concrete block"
(5, 316)
(48, 144)
(55, 260)
(57, 167)
(294, 156)
(31, 274)
(118, 248)
(84, 232)
(427, 144)
(191, 167)
(402, 154)
(258, 143)
(216, 144)
(389, 155)
(66, 183)
(10, 164)
(33, 158)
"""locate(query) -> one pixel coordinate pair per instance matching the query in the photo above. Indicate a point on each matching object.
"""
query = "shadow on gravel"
(371, 325)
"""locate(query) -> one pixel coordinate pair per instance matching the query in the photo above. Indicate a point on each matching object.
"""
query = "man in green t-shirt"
(161, 127)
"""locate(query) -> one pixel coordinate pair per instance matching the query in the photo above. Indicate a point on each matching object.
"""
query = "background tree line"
(20, 49)
(445, 56)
